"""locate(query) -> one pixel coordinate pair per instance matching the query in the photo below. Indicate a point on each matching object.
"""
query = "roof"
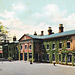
(15, 41)
(66, 33)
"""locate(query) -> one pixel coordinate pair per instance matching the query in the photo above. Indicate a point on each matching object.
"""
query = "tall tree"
(3, 33)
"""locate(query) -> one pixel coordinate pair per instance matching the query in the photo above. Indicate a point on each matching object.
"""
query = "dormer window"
(68, 44)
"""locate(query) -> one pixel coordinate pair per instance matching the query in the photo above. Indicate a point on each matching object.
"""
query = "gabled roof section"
(66, 33)
(24, 36)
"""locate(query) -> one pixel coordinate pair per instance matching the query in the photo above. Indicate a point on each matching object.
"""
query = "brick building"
(59, 47)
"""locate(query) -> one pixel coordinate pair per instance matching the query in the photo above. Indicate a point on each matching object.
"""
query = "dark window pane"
(53, 46)
(60, 45)
(68, 44)
(47, 56)
(42, 56)
(47, 46)
(25, 46)
(42, 46)
(30, 46)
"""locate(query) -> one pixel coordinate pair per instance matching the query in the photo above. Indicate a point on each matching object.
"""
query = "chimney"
(35, 33)
(14, 38)
(49, 31)
(61, 28)
(42, 33)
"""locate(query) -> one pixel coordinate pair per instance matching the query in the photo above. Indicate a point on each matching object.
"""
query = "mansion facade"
(58, 47)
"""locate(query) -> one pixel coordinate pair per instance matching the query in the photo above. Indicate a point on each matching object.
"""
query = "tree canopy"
(3, 32)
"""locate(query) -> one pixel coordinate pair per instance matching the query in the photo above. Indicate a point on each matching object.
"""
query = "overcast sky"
(27, 16)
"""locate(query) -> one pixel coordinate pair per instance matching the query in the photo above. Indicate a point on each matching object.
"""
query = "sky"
(26, 16)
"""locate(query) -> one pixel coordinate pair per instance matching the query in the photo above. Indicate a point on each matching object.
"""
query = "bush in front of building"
(10, 58)
(31, 60)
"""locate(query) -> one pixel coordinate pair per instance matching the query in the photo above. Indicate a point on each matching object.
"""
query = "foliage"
(31, 59)
(10, 58)
(3, 32)
(56, 51)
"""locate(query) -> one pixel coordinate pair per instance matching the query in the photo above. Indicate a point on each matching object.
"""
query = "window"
(47, 46)
(53, 57)
(25, 46)
(21, 47)
(69, 57)
(60, 45)
(53, 46)
(59, 57)
(68, 44)
(47, 56)
(42, 57)
(30, 55)
(25, 38)
(42, 46)
(0, 47)
(30, 46)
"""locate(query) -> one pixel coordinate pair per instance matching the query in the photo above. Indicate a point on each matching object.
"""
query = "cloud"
(18, 7)
(50, 16)
(7, 14)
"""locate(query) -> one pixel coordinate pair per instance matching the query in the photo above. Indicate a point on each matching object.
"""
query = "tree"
(3, 33)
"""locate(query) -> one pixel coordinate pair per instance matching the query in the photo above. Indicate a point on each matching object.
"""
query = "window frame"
(69, 45)
(54, 46)
(46, 56)
(42, 46)
(42, 57)
(60, 47)
(25, 46)
(30, 47)
(48, 46)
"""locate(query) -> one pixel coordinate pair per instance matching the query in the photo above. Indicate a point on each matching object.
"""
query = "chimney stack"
(61, 28)
(49, 31)
(35, 33)
(14, 38)
(42, 33)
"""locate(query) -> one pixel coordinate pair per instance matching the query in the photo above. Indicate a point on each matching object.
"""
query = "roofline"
(60, 36)
(23, 36)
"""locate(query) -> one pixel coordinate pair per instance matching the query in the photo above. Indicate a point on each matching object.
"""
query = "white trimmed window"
(0, 47)
(47, 46)
(53, 46)
(25, 46)
(21, 47)
(42, 46)
(30, 47)
(47, 56)
(42, 56)
(60, 45)
(68, 44)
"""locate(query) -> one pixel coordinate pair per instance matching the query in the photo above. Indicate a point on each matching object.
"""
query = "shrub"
(10, 58)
